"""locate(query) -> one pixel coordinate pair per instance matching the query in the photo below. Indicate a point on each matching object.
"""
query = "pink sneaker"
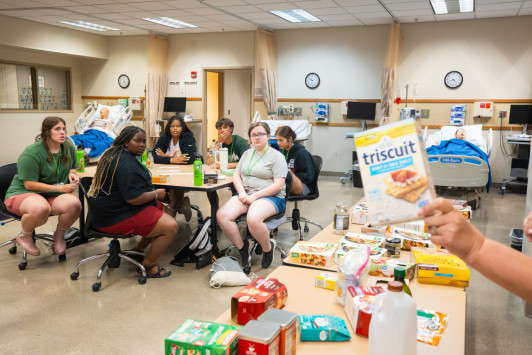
(27, 243)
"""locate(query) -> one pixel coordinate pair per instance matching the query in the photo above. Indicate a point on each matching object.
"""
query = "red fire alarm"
(193, 74)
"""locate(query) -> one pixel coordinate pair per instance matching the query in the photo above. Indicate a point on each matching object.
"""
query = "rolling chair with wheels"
(296, 218)
(7, 172)
(255, 246)
(114, 254)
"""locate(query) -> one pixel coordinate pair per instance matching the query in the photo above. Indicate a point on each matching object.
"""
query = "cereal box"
(394, 170)
(438, 266)
(356, 238)
(199, 338)
(410, 238)
(311, 253)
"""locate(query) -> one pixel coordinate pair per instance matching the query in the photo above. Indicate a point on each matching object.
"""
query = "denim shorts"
(279, 203)
(306, 190)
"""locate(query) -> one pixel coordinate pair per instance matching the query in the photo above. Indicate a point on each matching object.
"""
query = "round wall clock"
(123, 81)
(312, 80)
(453, 79)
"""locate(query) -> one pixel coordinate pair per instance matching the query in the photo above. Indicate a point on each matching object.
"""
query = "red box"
(254, 299)
(359, 307)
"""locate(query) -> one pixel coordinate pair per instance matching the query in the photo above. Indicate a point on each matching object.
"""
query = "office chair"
(114, 254)
(7, 172)
(296, 218)
(255, 246)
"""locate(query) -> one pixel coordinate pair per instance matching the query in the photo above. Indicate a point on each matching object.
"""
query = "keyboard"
(519, 138)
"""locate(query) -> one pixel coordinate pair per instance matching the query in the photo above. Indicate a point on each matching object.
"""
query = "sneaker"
(267, 257)
(244, 253)
(185, 209)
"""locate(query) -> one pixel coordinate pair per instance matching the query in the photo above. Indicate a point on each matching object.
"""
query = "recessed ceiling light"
(296, 15)
(170, 22)
(441, 7)
(90, 26)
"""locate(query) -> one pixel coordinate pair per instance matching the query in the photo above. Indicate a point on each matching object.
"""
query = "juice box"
(327, 280)
(312, 253)
(438, 266)
(395, 173)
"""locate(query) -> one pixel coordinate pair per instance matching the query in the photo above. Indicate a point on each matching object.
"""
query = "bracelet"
(155, 194)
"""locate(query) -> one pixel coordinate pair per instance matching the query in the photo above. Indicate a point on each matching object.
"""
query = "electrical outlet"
(424, 113)
(298, 111)
(503, 114)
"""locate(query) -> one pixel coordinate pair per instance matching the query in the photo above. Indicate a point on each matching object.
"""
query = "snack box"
(254, 299)
(384, 267)
(375, 252)
(359, 307)
(202, 338)
(327, 280)
(438, 266)
(312, 253)
(323, 328)
(227, 172)
(360, 213)
(459, 203)
(395, 173)
(161, 179)
(410, 238)
(417, 226)
(466, 211)
(356, 238)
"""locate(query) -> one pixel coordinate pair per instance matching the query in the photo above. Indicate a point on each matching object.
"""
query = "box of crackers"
(395, 174)
(313, 253)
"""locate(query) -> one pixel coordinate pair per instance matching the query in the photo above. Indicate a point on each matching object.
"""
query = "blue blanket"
(460, 147)
(96, 140)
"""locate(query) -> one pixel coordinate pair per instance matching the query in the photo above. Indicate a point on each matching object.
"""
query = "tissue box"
(199, 337)
(312, 253)
(438, 266)
(383, 267)
(359, 307)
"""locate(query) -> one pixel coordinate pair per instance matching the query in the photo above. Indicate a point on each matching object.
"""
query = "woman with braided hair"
(46, 177)
(123, 200)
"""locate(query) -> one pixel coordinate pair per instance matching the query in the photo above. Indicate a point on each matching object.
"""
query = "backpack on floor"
(198, 249)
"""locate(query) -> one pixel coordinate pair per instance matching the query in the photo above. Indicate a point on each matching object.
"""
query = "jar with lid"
(393, 247)
(341, 219)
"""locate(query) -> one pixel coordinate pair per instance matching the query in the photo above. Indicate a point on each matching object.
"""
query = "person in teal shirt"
(44, 184)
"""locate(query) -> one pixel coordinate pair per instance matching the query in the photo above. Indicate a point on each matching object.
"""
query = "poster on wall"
(457, 115)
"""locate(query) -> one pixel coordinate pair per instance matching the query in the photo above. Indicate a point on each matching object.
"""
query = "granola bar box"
(438, 266)
(199, 337)
(312, 253)
(395, 173)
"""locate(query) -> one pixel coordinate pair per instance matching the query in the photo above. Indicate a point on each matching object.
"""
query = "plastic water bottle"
(80, 160)
(198, 174)
(393, 327)
(149, 160)
(144, 158)
(212, 151)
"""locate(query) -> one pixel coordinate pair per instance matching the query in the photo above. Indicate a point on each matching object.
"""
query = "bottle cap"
(395, 286)
(399, 271)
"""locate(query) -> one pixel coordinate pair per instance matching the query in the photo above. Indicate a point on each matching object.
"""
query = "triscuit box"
(360, 214)
(202, 338)
(254, 299)
(438, 266)
(394, 170)
(384, 267)
(366, 239)
(410, 238)
(312, 253)
(375, 252)
(327, 280)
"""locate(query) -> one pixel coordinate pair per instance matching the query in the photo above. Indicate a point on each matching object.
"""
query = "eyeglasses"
(258, 135)
(175, 126)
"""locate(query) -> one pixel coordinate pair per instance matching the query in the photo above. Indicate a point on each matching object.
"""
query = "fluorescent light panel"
(170, 22)
(441, 7)
(296, 15)
(90, 26)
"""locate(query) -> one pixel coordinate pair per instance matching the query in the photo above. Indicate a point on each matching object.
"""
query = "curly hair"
(224, 122)
(46, 128)
(169, 123)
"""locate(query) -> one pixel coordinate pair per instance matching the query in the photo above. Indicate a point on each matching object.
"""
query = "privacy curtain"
(390, 72)
(157, 83)
(267, 66)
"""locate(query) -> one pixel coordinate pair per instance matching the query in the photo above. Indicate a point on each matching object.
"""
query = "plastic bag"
(353, 271)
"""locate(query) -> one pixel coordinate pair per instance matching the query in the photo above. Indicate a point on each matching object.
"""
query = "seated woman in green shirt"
(46, 177)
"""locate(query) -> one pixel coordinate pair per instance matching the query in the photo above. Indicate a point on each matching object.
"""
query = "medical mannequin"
(103, 121)
(460, 134)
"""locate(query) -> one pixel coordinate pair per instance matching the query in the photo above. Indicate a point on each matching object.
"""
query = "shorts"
(279, 203)
(13, 202)
(140, 224)
(306, 190)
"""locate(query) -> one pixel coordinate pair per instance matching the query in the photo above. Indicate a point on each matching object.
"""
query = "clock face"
(312, 80)
(453, 79)
(123, 81)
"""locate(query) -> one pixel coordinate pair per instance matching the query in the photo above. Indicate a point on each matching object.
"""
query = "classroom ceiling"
(243, 15)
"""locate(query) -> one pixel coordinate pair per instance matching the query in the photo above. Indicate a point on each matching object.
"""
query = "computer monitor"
(175, 104)
(520, 114)
(361, 110)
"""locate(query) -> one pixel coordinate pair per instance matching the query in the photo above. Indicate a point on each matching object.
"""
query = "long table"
(306, 299)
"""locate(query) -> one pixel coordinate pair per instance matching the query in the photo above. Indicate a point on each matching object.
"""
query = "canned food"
(393, 247)
(261, 338)
(287, 321)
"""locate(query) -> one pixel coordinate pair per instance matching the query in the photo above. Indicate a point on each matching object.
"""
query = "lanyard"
(251, 160)
(287, 154)
(230, 151)
(57, 165)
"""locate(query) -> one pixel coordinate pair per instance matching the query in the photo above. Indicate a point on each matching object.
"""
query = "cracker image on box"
(395, 173)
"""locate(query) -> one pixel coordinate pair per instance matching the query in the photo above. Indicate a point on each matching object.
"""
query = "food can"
(287, 321)
(393, 247)
(260, 338)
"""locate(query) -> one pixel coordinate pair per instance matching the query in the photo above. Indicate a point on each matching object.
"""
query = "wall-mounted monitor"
(520, 114)
(175, 104)
(361, 110)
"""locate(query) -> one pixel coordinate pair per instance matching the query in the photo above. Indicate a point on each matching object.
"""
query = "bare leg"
(226, 216)
(297, 185)
(68, 208)
(176, 198)
(35, 212)
(258, 212)
(161, 236)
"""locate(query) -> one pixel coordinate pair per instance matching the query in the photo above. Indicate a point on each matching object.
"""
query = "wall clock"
(312, 80)
(453, 79)
(123, 81)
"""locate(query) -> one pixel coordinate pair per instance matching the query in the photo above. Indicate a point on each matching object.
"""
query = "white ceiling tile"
(202, 11)
(236, 23)
(452, 17)
(364, 8)
(58, 2)
(409, 5)
(117, 7)
(95, 2)
(270, 20)
(132, 32)
(527, 4)
(482, 2)
(378, 21)
(21, 3)
(524, 12)
(257, 15)
(21, 13)
(240, 9)
(183, 4)
(498, 7)
(151, 5)
(259, 2)
(352, 22)
(413, 12)
(343, 17)
(139, 14)
(355, 2)
(329, 11)
(374, 15)
(488, 14)
(86, 9)
(220, 3)
(174, 13)
(220, 17)
(114, 16)
(311, 24)
(314, 4)
(276, 6)
(195, 30)
(409, 19)
(132, 21)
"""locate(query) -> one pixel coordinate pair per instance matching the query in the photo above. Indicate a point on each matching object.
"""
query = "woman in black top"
(298, 159)
(123, 200)
(176, 146)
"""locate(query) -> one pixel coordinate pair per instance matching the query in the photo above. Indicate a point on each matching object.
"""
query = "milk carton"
(395, 173)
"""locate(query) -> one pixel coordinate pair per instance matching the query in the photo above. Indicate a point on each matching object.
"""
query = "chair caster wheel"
(22, 266)
(62, 257)
(13, 250)
(74, 276)
(306, 229)
(96, 286)
(343, 180)
(142, 280)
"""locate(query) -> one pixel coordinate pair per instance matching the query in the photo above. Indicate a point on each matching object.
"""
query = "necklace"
(250, 167)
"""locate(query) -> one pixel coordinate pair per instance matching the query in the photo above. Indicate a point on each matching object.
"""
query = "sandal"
(158, 274)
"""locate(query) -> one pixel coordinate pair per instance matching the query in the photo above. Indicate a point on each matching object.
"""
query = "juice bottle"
(198, 174)
(399, 274)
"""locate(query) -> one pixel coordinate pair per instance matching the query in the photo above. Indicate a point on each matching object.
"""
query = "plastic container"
(393, 327)
(516, 239)
(393, 247)
(287, 321)
(353, 271)
(198, 173)
(149, 160)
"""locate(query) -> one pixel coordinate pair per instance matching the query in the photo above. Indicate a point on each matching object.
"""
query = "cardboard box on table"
(438, 266)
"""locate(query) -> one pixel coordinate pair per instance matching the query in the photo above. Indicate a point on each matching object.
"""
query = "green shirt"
(32, 166)
(236, 149)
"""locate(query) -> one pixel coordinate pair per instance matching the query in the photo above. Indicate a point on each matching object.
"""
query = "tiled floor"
(43, 311)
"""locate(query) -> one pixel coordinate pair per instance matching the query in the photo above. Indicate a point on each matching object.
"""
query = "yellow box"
(159, 179)
(327, 280)
(438, 266)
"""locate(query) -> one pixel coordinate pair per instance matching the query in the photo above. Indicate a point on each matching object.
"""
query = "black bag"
(198, 250)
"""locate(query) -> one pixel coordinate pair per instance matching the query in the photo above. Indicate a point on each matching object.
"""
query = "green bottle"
(198, 174)
(144, 158)
(399, 274)
(80, 160)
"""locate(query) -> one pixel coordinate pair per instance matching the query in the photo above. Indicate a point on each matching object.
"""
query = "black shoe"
(244, 253)
(267, 257)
